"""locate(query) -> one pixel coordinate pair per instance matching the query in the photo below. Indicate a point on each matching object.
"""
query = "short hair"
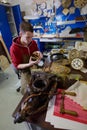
(26, 26)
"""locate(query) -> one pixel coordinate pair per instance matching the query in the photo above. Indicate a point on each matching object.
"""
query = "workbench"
(39, 119)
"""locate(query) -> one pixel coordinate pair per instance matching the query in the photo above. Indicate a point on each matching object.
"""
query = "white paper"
(60, 122)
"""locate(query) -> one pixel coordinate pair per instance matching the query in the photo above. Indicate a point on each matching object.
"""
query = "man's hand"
(32, 62)
(37, 55)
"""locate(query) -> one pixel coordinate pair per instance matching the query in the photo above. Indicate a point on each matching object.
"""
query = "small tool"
(65, 111)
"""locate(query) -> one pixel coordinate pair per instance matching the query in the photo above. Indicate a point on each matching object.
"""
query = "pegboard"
(67, 12)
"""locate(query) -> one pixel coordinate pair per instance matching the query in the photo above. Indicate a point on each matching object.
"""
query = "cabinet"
(11, 21)
(9, 26)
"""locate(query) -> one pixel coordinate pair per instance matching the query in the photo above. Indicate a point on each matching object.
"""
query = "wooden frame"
(5, 49)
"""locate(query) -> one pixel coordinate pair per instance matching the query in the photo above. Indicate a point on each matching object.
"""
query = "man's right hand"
(32, 62)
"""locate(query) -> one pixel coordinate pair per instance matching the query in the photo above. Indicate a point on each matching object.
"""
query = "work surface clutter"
(62, 87)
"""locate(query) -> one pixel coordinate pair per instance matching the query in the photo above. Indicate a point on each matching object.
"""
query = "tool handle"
(70, 112)
(70, 93)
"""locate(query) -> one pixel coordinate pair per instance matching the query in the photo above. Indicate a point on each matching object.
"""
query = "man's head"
(26, 32)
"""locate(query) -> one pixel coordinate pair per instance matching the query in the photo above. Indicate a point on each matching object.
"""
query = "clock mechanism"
(77, 63)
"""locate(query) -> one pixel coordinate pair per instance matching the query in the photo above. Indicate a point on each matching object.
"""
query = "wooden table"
(40, 118)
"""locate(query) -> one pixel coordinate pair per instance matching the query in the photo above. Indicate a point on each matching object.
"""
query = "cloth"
(25, 79)
(16, 71)
(69, 104)
(20, 54)
(60, 122)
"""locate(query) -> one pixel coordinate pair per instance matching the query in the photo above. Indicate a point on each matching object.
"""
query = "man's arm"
(31, 62)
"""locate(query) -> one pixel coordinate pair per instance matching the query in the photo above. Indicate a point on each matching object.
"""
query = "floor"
(9, 99)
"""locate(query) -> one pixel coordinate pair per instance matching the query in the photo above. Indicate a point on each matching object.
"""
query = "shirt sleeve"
(15, 56)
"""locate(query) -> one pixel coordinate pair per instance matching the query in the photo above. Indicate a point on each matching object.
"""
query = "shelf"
(31, 17)
(50, 40)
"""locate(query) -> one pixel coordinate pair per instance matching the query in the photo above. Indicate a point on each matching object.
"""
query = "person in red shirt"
(21, 50)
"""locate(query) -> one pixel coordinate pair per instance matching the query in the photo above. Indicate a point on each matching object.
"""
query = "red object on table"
(69, 104)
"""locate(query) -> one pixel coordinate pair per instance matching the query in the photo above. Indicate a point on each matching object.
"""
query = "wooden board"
(6, 53)
(5, 59)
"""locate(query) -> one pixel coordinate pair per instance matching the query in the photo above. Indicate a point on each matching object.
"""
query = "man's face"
(26, 37)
